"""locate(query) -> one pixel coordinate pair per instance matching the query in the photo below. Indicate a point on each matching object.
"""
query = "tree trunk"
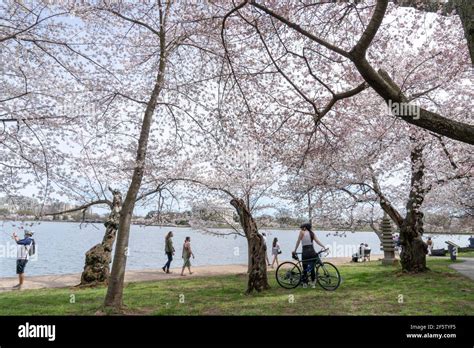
(466, 13)
(98, 258)
(115, 289)
(257, 278)
(114, 297)
(249, 258)
(310, 208)
(414, 250)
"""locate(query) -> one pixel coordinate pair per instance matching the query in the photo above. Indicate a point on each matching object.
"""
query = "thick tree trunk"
(98, 258)
(257, 277)
(414, 250)
(249, 258)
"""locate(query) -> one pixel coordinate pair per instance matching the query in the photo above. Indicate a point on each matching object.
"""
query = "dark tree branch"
(426, 119)
(300, 30)
(81, 208)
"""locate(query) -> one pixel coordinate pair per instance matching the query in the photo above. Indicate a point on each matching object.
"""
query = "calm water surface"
(61, 246)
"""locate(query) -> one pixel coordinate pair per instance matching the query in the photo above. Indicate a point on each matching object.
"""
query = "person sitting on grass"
(362, 254)
(23, 254)
(187, 253)
(366, 252)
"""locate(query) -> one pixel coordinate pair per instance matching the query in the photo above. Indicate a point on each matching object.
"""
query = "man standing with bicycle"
(306, 237)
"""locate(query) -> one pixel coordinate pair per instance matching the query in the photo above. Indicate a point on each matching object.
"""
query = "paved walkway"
(466, 267)
(69, 280)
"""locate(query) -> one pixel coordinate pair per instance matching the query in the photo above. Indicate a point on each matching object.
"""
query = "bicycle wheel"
(288, 275)
(328, 276)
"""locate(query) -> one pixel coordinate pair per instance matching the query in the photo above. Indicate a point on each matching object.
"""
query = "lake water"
(61, 246)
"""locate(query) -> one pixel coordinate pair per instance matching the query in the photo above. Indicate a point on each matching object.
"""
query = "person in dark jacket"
(169, 251)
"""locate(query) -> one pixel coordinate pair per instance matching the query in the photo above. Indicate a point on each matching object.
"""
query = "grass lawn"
(466, 254)
(367, 289)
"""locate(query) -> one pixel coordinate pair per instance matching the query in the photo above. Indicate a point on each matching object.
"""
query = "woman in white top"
(306, 238)
(275, 251)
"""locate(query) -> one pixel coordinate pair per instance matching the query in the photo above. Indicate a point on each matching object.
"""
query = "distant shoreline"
(290, 228)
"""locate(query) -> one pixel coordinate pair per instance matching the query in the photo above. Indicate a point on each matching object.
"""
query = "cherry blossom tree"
(43, 68)
(140, 44)
(422, 54)
(231, 99)
(239, 170)
(404, 171)
(158, 48)
(359, 48)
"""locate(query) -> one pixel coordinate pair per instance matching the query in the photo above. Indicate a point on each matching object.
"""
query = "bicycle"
(289, 274)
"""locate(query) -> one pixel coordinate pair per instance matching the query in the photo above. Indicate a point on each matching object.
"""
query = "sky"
(29, 191)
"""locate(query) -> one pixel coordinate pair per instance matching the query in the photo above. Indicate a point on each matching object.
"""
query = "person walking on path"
(264, 235)
(169, 250)
(275, 251)
(23, 254)
(187, 253)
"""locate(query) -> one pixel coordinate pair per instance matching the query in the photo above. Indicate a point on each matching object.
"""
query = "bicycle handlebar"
(319, 252)
(295, 255)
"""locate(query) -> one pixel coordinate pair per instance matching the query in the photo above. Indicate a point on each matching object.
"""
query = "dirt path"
(68, 280)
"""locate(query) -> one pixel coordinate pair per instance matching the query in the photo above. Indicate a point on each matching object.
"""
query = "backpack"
(32, 250)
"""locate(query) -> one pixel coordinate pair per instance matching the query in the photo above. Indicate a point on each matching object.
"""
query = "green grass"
(367, 289)
(466, 254)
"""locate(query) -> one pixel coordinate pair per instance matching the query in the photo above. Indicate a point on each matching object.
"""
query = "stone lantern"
(388, 246)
